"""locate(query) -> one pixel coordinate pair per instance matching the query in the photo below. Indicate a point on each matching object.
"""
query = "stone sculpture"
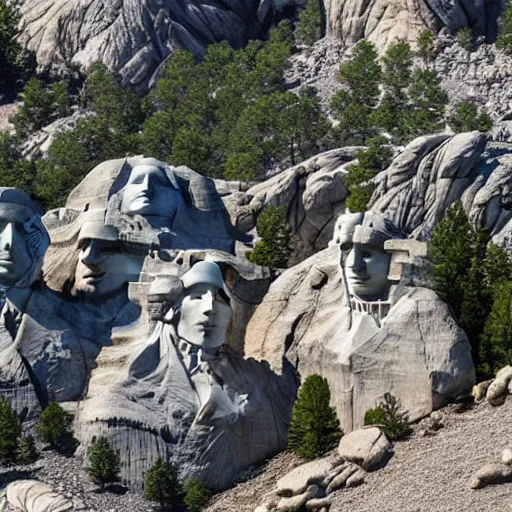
(362, 319)
(182, 393)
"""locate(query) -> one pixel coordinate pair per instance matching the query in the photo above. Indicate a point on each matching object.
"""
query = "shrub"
(308, 28)
(53, 426)
(426, 46)
(10, 431)
(161, 483)
(504, 40)
(466, 39)
(274, 248)
(389, 415)
(10, 49)
(104, 463)
(466, 118)
(197, 495)
(27, 452)
(314, 428)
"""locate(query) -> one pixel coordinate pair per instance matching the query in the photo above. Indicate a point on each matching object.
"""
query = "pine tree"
(504, 40)
(104, 463)
(309, 26)
(161, 484)
(390, 417)
(10, 49)
(10, 432)
(314, 428)
(53, 425)
(27, 452)
(274, 248)
(426, 46)
(197, 495)
(466, 118)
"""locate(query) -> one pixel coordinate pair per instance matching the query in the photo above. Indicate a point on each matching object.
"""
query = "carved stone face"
(366, 271)
(102, 269)
(149, 192)
(15, 259)
(204, 317)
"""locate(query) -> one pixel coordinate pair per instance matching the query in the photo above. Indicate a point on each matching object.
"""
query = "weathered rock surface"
(366, 447)
(312, 193)
(298, 480)
(35, 496)
(134, 38)
(434, 171)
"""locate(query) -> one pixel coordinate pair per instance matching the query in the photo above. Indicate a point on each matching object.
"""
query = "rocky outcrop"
(312, 193)
(383, 21)
(134, 37)
(434, 171)
(35, 496)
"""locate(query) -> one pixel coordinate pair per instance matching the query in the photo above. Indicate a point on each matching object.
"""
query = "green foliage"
(27, 452)
(504, 40)
(427, 46)
(41, 106)
(104, 463)
(274, 248)
(466, 118)
(161, 484)
(14, 170)
(10, 432)
(314, 428)
(309, 26)
(197, 495)
(389, 415)
(466, 39)
(10, 49)
(495, 350)
(353, 107)
(53, 426)
(372, 160)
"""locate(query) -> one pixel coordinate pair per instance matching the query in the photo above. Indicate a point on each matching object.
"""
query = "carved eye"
(366, 254)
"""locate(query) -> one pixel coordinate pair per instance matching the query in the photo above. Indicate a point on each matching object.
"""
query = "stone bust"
(150, 192)
(23, 239)
(364, 263)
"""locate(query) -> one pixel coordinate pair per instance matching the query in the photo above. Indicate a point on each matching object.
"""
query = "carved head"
(195, 305)
(23, 239)
(104, 265)
(365, 263)
(149, 191)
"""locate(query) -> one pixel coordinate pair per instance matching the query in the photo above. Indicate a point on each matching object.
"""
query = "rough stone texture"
(34, 496)
(6, 111)
(296, 502)
(366, 447)
(339, 481)
(419, 354)
(498, 390)
(134, 38)
(434, 171)
(424, 474)
(298, 480)
(490, 474)
(312, 193)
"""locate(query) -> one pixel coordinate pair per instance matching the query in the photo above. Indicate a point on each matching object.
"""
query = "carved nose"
(92, 254)
(207, 302)
(6, 237)
(355, 261)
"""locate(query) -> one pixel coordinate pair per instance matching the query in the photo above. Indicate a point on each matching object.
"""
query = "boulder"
(498, 390)
(339, 481)
(490, 474)
(506, 456)
(367, 447)
(319, 503)
(298, 480)
(296, 502)
(35, 496)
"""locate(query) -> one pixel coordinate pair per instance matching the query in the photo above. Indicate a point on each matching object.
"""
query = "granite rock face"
(434, 171)
(133, 38)
(34, 496)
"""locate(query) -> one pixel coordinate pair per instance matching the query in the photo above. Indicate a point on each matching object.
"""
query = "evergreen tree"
(371, 161)
(426, 46)
(197, 495)
(15, 171)
(353, 107)
(27, 452)
(451, 248)
(466, 118)
(495, 349)
(53, 426)
(390, 417)
(104, 463)
(10, 432)
(314, 428)
(466, 38)
(309, 26)
(41, 106)
(10, 49)
(504, 40)
(274, 248)
(161, 484)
